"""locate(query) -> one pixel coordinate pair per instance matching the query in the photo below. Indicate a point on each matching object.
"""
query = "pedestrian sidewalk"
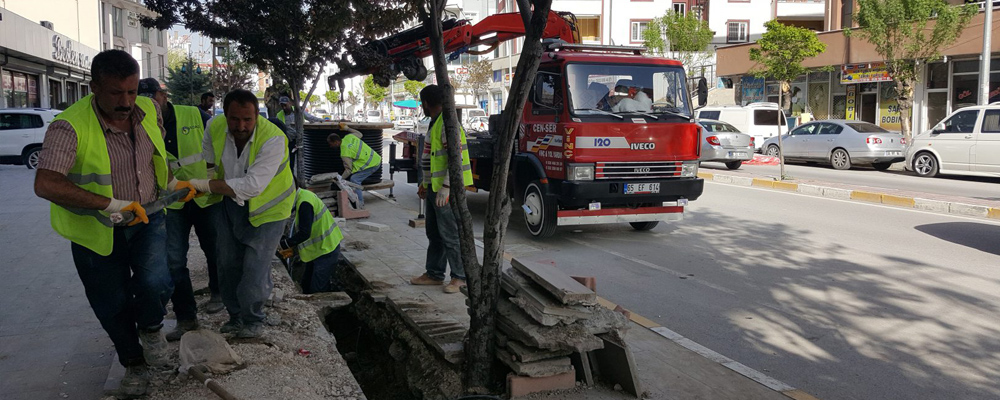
(944, 204)
(386, 253)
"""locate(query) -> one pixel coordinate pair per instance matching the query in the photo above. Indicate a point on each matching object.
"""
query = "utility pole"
(984, 63)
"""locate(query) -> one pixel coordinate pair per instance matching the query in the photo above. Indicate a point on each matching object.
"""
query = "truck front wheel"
(644, 226)
(539, 212)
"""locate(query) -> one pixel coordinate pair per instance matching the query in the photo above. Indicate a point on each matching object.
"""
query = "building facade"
(39, 65)
(850, 81)
(120, 29)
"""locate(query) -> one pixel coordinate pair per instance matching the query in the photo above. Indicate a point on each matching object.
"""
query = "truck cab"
(607, 136)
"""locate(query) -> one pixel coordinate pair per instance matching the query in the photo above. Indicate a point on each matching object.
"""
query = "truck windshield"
(624, 88)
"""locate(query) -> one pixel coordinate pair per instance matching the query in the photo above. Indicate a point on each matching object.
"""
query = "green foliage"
(186, 85)
(480, 76)
(781, 50)
(686, 35)
(175, 57)
(233, 72)
(413, 88)
(899, 30)
(374, 93)
(332, 96)
(352, 98)
(313, 100)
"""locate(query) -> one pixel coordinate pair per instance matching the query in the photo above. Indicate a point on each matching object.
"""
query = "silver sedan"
(842, 143)
(724, 143)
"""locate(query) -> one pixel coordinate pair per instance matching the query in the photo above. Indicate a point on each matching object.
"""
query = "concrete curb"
(703, 351)
(938, 206)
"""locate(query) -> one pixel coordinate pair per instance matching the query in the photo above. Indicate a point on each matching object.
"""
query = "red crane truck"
(606, 136)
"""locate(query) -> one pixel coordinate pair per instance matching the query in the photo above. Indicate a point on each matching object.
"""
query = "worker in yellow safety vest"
(250, 156)
(184, 131)
(315, 236)
(441, 226)
(360, 161)
(102, 156)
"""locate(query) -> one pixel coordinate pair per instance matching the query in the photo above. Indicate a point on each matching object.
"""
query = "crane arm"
(406, 49)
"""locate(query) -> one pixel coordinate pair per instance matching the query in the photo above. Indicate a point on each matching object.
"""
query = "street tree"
(484, 278)
(293, 39)
(480, 77)
(900, 32)
(313, 99)
(413, 88)
(374, 94)
(233, 72)
(175, 57)
(187, 82)
(779, 54)
(682, 36)
(332, 96)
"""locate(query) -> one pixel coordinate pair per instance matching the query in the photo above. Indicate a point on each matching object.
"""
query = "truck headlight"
(689, 169)
(580, 172)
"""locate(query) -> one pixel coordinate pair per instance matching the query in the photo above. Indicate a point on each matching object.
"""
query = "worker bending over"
(360, 161)
(184, 130)
(442, 228)
(316, 237)
(104, 155)
(250, 156)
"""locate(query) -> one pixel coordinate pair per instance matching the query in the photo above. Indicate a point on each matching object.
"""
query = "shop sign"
(862, 73)
(63, 51)
(851, 101)
(752, 90)
(889, 117)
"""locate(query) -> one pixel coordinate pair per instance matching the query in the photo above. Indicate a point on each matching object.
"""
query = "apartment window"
(159, 38)
(104, 19)
(497, 75)
(638, 27)
(162, 66)
(145, 35)
(590, 28)
(680, 8)
(737, 31)
(149, 64)
(118, 21)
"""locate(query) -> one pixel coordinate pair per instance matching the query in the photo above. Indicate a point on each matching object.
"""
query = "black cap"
(149, 87)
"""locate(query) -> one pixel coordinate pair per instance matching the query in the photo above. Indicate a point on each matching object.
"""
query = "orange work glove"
(186, 185)
(140, 213)
(287, 253)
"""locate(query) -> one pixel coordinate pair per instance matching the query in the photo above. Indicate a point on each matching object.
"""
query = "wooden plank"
(556, 282)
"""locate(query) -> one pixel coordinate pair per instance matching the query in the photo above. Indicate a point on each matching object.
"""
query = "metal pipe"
(198, 372)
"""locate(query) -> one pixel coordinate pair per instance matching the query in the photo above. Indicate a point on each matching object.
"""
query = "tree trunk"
(904, 98)
(484, 280)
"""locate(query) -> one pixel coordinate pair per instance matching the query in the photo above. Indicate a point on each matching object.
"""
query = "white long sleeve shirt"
(247, 180)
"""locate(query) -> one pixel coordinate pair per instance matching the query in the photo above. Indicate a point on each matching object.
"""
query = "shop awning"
(411, 104)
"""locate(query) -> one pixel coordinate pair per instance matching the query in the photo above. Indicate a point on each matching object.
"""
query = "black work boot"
(182, 328)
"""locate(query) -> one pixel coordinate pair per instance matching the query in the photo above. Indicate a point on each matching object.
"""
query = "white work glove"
(442, 196)
(116, 205)
(201, 185)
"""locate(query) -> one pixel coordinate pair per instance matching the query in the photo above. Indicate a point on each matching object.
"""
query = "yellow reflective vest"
(439, 157)
(91, 171)
(364, 157)
(325, 235)
(190, 162)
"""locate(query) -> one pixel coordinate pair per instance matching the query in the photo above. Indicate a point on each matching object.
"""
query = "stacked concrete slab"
(545, 317)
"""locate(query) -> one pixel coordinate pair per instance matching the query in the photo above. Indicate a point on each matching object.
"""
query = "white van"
(760, 120)
(373, 116)
(965, 143)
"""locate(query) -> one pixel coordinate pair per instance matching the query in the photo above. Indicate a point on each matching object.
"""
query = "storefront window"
(55, 93)
(819, 98)
(889, 117)
(815, 77)
(937, 76)
(966, 66)
(937, 107)
(71, 94)
(20, 90)
(964, 90)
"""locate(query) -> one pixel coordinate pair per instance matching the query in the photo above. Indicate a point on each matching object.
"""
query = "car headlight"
(689, 169)
(580, 172)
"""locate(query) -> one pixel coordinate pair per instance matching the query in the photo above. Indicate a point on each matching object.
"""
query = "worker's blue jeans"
(359, 177)
(179, 223)
(442, 237)
(245, 253)
(321, 271)
(128, 288)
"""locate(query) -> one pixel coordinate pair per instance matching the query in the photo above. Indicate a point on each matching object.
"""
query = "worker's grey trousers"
(244, 254)
(442, 240)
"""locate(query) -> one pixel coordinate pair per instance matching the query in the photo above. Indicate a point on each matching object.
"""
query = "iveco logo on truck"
(642, 146)
(641, 170)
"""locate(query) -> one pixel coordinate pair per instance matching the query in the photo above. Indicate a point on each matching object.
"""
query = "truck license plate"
(642, 188)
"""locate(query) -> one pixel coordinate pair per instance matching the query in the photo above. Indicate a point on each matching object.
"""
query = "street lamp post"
(984, 63)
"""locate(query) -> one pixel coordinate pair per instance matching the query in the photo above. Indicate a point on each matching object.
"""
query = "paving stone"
(547, 367)
(556, 282)
(372, 226)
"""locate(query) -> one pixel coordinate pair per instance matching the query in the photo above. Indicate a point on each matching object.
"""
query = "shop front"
(39, 67)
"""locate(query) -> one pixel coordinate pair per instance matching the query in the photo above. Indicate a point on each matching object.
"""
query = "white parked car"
(373, 116)
(965, 143)
(478, 124)
(424, 125)
(722, 142)
(760, 120)
(22, 131)
(404, 122)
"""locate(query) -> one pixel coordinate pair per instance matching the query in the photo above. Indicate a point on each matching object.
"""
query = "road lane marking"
(654, 266)
(861, 203)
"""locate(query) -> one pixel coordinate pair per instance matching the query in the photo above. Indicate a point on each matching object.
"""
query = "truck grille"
(637, 170)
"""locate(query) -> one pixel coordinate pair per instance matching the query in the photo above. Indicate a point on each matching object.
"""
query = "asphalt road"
(951, 185)
(841, 299)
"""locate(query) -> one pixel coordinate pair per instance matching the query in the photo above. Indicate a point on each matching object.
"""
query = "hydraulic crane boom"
(407, 48)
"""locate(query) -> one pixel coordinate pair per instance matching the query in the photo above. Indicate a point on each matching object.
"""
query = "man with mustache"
(250, 156)
(105, 154)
